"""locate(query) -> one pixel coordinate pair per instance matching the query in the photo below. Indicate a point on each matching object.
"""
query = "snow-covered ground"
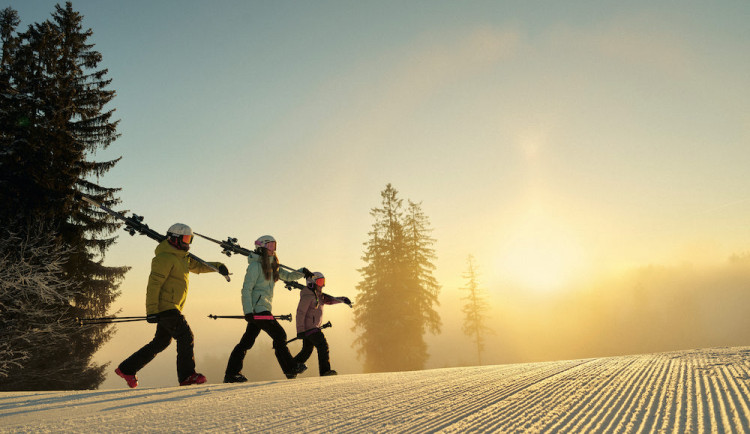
(688, 391)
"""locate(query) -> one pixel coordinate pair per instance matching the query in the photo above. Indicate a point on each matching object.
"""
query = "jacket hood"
(165, 247)
(253, 257)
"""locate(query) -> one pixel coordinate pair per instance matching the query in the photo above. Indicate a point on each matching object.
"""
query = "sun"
(540, 258)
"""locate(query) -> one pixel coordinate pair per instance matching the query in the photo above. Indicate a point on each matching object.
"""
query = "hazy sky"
(551, 140)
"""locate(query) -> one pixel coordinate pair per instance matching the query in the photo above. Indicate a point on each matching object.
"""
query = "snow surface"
(688, 391)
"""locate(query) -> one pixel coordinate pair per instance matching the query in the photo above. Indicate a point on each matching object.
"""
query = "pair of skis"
(231, 246)
(135, 224)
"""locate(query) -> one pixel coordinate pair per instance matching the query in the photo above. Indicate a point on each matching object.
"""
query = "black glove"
(223, 270)
(308, 274)
(345, 300)
(301, 335)
(152, 318)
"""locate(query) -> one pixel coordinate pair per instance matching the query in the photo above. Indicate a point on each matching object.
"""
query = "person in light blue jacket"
(257, 295)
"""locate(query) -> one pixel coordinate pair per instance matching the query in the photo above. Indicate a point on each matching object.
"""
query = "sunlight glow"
(541, 257)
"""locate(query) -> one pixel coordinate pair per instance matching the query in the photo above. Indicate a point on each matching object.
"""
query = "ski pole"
(324, 326)
(83, 323)
(109, 320)
(287, 317)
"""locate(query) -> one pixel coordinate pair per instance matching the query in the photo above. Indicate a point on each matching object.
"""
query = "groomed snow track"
(687, 391)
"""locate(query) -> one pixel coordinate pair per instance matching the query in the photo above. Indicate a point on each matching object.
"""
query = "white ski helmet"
(315, 279)
(180, 235)
(267, 242)
(179, 229)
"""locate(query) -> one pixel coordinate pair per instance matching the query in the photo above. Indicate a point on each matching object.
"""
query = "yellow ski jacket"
(168, 282)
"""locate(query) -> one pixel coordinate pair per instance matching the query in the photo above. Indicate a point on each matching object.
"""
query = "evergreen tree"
(475, 309)
(396, 298)
(54, 120)
(30, 282)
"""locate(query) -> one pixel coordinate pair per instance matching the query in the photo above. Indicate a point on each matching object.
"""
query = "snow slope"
(688, 391)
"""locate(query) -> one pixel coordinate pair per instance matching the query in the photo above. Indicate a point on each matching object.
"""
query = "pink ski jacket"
(310, 309)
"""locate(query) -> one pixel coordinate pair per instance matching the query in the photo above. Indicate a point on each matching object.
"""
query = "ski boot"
(329, 373)
(194, 378)
(236, 378)
(301, 367)
(132, 380)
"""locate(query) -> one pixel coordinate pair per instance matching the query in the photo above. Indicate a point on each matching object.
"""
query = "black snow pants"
(254, 325)
(318, 341)
(171, 325)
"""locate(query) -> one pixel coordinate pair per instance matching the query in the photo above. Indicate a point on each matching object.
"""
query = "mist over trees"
(52, 121)
(396, 298)
(475, 308)
(644, 309)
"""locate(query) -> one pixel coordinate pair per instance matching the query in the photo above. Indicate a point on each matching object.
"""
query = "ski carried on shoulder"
(135, 225)
(231, 246)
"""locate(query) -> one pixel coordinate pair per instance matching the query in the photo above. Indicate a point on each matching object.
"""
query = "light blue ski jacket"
(257, 292)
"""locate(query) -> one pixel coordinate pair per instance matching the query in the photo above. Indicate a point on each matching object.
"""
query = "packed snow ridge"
(689, 391)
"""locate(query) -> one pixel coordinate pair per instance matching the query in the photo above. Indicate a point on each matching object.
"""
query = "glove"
(346, 301)
(152, 318)
(223, 270)
(301, 335)
(308, 274)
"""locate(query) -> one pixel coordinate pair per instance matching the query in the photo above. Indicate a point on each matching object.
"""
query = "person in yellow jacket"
(165, 296)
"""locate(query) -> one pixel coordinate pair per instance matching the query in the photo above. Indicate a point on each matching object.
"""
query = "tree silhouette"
(475, 309)
(53, 121)
(396, 298)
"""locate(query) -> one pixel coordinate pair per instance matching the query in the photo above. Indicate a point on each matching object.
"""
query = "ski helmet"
(180, 235)
(268, 242)
(317, 278)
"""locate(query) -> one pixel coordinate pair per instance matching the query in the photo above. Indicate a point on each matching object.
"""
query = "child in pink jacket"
(309, 317)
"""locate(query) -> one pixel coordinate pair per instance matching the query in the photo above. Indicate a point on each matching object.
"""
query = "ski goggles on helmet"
(320, 281)
(187, 239)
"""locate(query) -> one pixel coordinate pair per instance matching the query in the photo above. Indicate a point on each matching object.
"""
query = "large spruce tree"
(53, 120)
(396, 298)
